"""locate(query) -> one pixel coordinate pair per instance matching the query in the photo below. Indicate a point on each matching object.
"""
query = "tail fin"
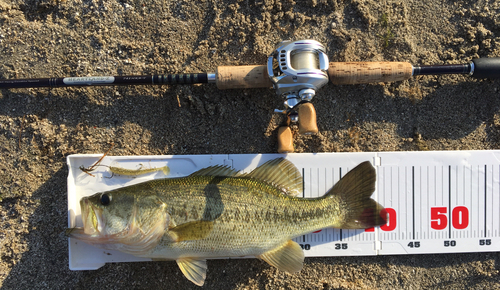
(354, 191)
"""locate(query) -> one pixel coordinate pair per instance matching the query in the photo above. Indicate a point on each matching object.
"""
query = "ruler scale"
(437, 202)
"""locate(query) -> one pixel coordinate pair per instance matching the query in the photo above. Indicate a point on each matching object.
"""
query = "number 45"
(414, 245)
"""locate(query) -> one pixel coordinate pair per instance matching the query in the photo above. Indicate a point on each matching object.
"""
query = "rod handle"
(242, 77)
(488, 67)
(351, 73)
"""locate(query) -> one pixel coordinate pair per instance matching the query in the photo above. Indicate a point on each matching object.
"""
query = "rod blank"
(167, 79)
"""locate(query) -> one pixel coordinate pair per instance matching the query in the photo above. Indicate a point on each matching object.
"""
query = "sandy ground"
(40, 127)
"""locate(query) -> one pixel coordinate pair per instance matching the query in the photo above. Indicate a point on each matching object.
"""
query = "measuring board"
(437, 201)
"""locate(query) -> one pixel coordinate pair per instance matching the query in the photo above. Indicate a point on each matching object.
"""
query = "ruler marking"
(426, 230)
(418, 234)
(303, 182)
(413, 199)
(457, 201)
(442, 186)
(445, 183)
(332, 234)
(464, 189)
(303, 195)
(479, 233)
(471, 195)
(420, 230)
(465, 168)
(485, 195)
(387, 235)
(400, 232)
(340, 177)
(435, 184)
(326, 180)
(428, 201)
(406, 203)
(318, 185)
(390, 189)
(493, 199)
(449, 201)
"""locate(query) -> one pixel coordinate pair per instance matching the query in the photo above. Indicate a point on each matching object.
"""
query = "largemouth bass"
(219, 212)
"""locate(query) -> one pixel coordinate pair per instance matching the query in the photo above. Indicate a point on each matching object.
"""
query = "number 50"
(459, 217)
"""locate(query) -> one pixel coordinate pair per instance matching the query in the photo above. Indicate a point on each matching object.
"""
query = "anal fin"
(194, 270)
(288, 257)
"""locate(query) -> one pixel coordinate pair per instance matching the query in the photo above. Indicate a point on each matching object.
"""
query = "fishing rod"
(296, 70)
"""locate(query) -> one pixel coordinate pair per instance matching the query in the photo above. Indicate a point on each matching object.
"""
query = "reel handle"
(285, 140)
(351, 73)
(307, 119)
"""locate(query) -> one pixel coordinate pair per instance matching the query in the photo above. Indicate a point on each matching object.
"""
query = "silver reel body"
(297, 70)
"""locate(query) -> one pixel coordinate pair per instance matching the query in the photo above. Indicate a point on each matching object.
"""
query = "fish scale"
(243, 212)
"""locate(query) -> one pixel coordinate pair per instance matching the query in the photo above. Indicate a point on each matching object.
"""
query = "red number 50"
(459, 218)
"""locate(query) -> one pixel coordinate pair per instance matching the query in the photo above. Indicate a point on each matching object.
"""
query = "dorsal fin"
(279, 172)
(218, 170)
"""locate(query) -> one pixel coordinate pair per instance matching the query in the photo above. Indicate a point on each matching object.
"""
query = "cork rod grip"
(242, 77)
(351, 73)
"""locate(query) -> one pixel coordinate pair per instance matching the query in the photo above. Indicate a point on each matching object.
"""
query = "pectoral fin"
(194, 270)
(288, 257)
(195, 230)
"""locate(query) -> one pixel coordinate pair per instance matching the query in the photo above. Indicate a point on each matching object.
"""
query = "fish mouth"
(92, 218)
(93, 224)
(132, 239)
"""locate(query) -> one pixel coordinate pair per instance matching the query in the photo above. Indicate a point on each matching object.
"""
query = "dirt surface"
(40, 127)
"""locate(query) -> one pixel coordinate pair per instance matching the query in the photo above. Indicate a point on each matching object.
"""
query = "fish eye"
(105, 199)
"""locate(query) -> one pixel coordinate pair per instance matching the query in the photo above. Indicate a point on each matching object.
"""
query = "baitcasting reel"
(297, 69)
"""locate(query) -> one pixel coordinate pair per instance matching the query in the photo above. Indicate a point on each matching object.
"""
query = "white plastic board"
(438, 202)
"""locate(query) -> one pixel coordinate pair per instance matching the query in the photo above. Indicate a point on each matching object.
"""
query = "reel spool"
(297, 70)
